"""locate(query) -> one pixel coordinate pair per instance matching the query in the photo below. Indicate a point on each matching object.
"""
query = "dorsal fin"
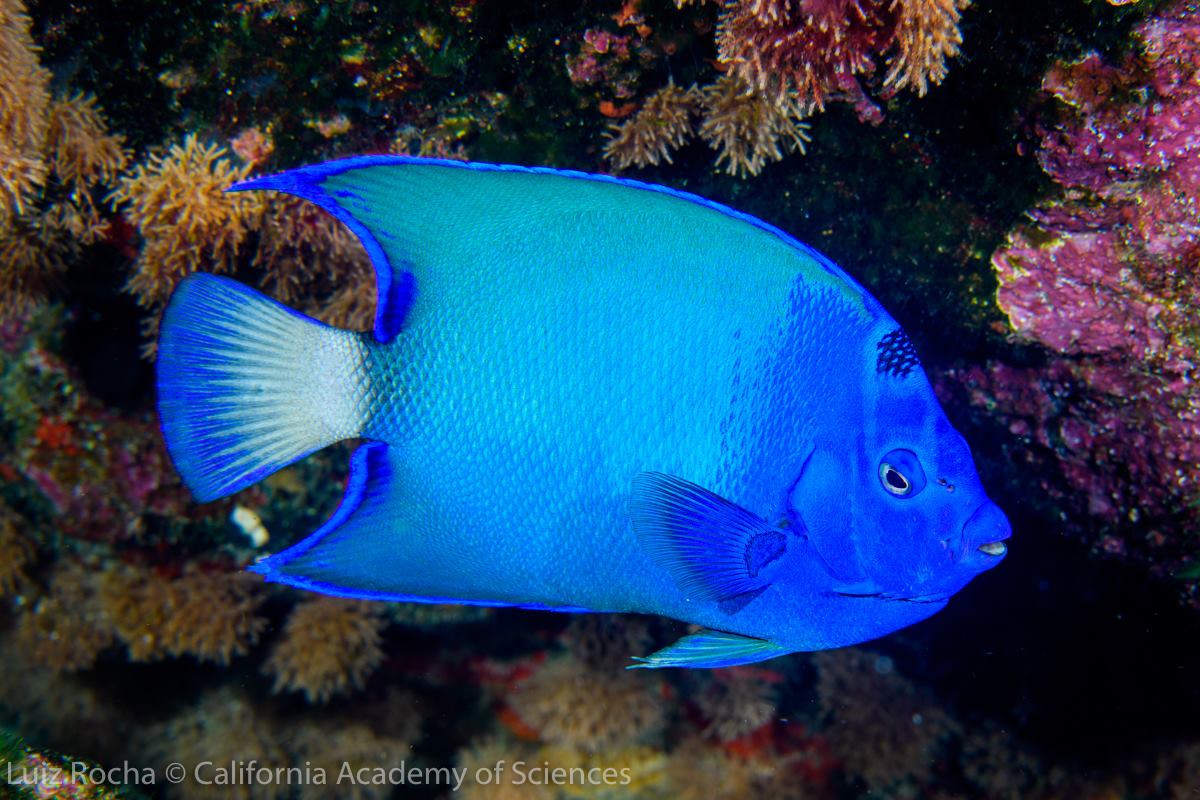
(402, 208)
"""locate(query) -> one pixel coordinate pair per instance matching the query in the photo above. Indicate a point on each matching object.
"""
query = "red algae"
(1101, 279)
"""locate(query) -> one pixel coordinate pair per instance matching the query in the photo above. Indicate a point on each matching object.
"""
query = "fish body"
(589, 394)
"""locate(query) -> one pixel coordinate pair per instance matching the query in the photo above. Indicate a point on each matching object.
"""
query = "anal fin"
(710, 649)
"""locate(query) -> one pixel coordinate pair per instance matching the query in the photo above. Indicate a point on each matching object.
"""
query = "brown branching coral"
(885, 729)
(747, 129)
(570, 703)
(65, 630)
(225, 728)
(309, 259)
(62, 710)
(926, 35)
(484, 780)
(606, 642)
(343, 750)
(178, 203)
(17, 552)
(735, 703)
(698, 770)
(52, 154)
(211, 616)
(999, 765)
(815, 48)
(330, 646)
(662, 125)
(24, 95)
(81, 151)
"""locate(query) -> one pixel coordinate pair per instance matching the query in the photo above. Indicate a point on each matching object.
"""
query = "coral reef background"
(1018, 182)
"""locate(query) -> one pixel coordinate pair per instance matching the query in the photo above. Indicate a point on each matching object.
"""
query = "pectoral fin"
(713, 548)
(710, 649)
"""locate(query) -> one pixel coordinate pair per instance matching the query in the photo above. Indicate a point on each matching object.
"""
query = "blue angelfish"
(584, 393)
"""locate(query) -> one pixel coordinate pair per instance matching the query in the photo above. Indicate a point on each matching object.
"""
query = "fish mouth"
(993, 549)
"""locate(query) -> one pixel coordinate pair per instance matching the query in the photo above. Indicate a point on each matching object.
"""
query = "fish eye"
(901, 474)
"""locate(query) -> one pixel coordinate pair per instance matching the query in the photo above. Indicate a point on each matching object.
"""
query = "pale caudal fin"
(246, 386)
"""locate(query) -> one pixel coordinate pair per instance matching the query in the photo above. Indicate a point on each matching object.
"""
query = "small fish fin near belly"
(714, 549)
(709, 649)
(359, 551)
(246, 386)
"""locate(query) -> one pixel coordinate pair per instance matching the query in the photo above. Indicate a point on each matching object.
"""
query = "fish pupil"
(894, 481)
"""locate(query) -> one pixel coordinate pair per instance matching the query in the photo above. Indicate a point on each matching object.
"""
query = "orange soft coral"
(24, 95)
(16, 552)
(65, 630)
(662, 125)
(177, 201)
(81, 150)
(52, 154)
(330, 646)
(569, 702)
(883, 727)
(748, 129)
(926, 35)
(211, 616)
(817, 48)
(309, 259)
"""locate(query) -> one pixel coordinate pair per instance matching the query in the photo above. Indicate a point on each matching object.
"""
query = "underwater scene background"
(1018, 182)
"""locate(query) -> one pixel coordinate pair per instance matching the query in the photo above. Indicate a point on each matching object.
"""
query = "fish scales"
(545, 338)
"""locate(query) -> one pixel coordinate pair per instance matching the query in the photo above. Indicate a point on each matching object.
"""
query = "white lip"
(994, 548)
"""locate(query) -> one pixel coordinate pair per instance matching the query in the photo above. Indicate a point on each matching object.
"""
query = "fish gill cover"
(1014, 181)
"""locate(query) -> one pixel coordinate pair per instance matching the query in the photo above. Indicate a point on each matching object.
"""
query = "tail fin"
(246, 386)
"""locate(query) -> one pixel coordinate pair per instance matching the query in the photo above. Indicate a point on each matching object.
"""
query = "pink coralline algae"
(1104, 277)
(604, 59)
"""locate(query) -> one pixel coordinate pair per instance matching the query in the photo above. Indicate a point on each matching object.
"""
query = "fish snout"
(983, 535)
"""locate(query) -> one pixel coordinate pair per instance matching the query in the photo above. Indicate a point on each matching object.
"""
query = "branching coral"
(735, 703)
(816, 48)
(926, 35)
(16, 552)
(211, 616)
(81, 151)
(697, 770)
(886, 730)
(605, 642)
(24, 95)
(747, 129)
(484, 780)
(997, 764)
(52, 154)
(308, 258)
(224, 729)
(568, 702)
(60, 709)
(65, 630)
(662, 125)
(347, 752)
(178, 203)
(330, 646)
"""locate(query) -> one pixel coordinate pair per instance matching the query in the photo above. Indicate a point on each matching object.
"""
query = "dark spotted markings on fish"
(897, 356)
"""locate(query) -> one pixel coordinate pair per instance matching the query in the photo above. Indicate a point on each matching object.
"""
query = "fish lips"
(982, 544)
